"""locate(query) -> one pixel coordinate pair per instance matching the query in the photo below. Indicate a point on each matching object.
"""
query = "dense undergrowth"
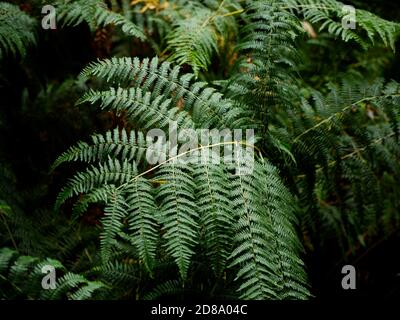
(77, 189)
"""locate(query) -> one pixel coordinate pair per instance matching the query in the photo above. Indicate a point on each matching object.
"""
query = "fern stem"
(307, 6)
(9, 231)
(232, 13)
(351, 154)
(340, 112)
(210, 18)
(185, 153)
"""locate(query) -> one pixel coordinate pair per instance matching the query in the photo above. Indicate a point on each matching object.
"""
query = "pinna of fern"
(21, 277)
(345, 144)
(17, 31)
(96, 14)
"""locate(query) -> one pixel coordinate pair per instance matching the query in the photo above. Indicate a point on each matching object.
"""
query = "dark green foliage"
(17, 31)
(21, 276)
(135, 219)
(196, 39)
(328, 14)
(175, 198)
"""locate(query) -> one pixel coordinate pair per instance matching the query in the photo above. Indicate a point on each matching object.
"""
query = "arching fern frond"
(329, 15)
(206, 105)
(116, 143)
(111, 172)
(140, 107)
(183, 205)
(96, 14)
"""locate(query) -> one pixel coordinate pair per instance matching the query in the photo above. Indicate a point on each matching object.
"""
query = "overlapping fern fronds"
(17, 31)
(179, 205)
(264, 77)
(21, 277)
(164, 86)
(329, 14)
(346, 144)
(195, 39)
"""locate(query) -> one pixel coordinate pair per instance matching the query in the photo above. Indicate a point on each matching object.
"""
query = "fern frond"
(178, 213)
(118, 273)
(115, 143)
(111, 172)
(207, 106)
(96, 195)
(167, 288)
(216, 211)
(140, 107)
(24, 274)
(84, 288)
(17, 31)
(142, 220)
(196, 38)
(189, 198)
(115, 212)
(96, 14)
(86, 292)
(341, 101)
(264, 77)
(328, 14)
(267, 247)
